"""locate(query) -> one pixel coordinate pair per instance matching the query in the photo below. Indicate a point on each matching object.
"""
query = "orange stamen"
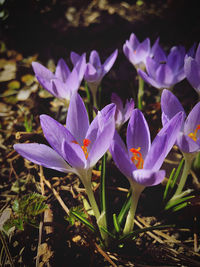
(86, 143)
(137, 157)
(193, 135)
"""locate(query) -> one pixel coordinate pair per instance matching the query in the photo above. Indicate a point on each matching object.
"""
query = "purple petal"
(110, 61)
(91, 74)
(159, 54)
(74, 155)
(77, 118)
(143, 50)
(164, 76)
(148, 79)
(60, 90)
(193, 120)
(55, 133)
(95, 59)
(175, 58)
(72, 82)
(197, 56)
(43, 155)
(163, 143)
(148, 177)
(97, 125)
(138, 134)
(62, 70)
(42, 72)
(129, 107)
(102, 143)
(74, 58)
(81, 67)
(151, 67)
(133, 41)
(122, 160)
(170, 105)
(187, 144)
(117, 101)
(192, 71)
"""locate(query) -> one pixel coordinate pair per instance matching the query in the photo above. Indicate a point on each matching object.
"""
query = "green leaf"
(175, 202)
(124, 210)
(107, 232)
(82, 219)
(116, 223)
(103, 184)
(137, 232)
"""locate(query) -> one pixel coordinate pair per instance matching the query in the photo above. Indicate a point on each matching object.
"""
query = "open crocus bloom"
(76, 147)
(137, 52)
(122, 114)
(192, 70)
(188, 139)
(63, 83)
(164, 71)
(140, 162)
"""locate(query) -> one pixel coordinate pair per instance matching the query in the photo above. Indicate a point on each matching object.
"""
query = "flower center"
(86, 143)
(137, 158)
(193, 135)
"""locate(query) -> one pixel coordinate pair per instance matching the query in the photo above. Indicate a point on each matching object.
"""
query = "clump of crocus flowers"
(77, 146)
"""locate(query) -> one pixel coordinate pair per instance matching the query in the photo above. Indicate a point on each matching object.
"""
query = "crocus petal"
(175, 59)
(117, 101)
(148, 79)
(43, 155)
(164, 76)
(192, 71)
(95, 59)
(143, 51)
(72, 81)
(122, 160)
(41, 71)
(55, 133)
(74, 57)
(81, 66)
(187, 144)
(60, 89)
(102, 143)
(159, 54)
(138, 134)
(193, 120)
(170, 105)
(62, 70)
(163, 143)
(148, 177)
(197, 56)
(97, 125)
(110, 61)
(133, 41)
(129, 107)
(77, 118)
(151, 67)
(74, 154)
(129, 52)
(91, 74)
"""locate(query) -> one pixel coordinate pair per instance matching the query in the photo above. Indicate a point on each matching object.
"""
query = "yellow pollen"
(193, 135)
(137, 157)
(86, 143)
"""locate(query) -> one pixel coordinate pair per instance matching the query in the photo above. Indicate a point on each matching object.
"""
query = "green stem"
(187, 166)
(140, 92)
(136, 191)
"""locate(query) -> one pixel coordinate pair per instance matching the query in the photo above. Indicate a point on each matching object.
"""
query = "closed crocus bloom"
(63, 83)
(140, 161)
(122, 113)
(137, 52)
(164, 71)
(192, 70)
(75, 148)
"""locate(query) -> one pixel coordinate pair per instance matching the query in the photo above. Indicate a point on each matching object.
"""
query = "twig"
(105, 255)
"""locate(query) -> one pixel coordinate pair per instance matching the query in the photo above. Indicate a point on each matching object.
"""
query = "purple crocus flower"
(164, 71)
(122, 114)
(192, 70)
(140, 162)
(188, 139)
(63, 83)
(137, 52)
(78, 146)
